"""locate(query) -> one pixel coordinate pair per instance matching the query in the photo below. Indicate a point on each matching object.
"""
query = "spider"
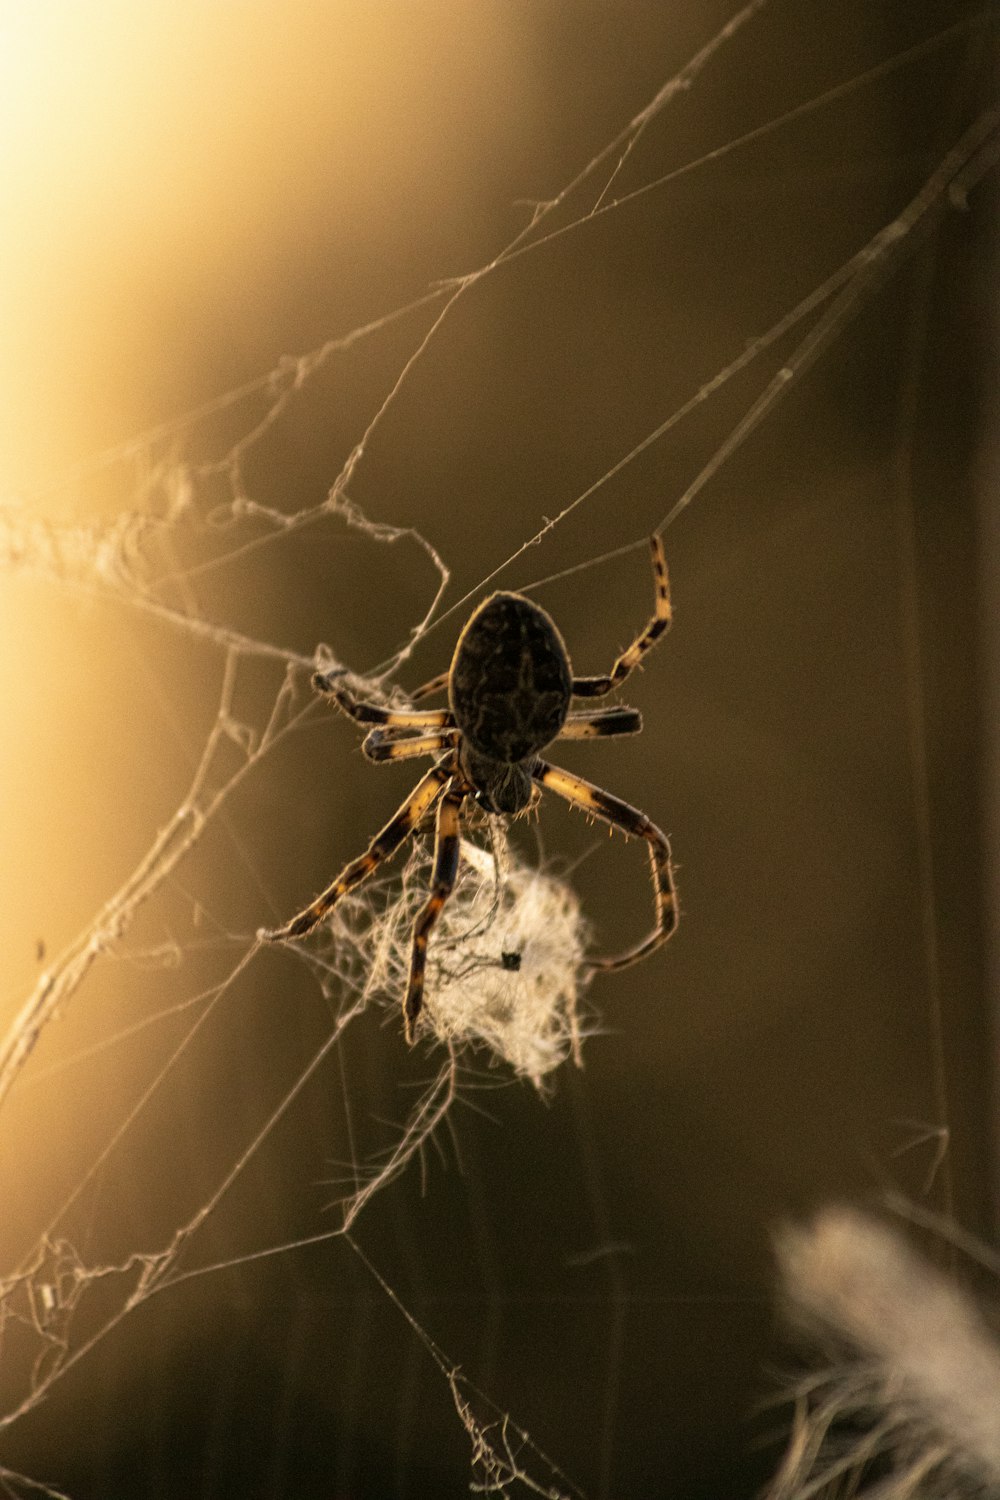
(510, 687)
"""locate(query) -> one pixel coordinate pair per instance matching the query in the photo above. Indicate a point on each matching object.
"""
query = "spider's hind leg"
(423, 797)
(619, 814)
(446, 852)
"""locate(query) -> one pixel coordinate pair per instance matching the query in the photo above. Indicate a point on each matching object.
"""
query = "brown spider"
(510, 686)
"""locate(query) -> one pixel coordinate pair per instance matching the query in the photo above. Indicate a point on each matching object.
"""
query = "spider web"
(218, 1146)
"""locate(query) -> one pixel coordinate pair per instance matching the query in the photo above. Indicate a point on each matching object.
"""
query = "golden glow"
(188, 186)
(161, 163)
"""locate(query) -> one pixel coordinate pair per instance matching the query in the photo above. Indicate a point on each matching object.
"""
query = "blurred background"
(196, 192)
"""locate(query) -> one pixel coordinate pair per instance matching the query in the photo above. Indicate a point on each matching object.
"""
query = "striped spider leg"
(396, 735)
(393, 744)
(446, 854)
(363, 712)
(601, 722)
(599, 687)
(436, 685)
(428, 790)
(439, 787)
(612, 810)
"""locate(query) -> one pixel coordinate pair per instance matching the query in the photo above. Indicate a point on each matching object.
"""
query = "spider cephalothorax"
(510, 686)
(499, 786)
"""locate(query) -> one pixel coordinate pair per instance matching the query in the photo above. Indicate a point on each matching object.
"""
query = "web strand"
(352, 972)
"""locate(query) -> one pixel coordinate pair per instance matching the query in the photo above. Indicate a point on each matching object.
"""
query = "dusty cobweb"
(506, 995)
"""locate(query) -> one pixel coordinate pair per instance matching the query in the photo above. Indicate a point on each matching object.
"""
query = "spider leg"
(373, 713)
(602, 721)
(423, 797)
(598, 687)
(445, 869)
(620, 814)
(436, 685)
(390, 744)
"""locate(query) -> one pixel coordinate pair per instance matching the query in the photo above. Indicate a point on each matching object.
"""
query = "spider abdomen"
(510, 683)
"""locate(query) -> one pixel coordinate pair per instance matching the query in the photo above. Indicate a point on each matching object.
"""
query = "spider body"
(511, 689)
(510, 683)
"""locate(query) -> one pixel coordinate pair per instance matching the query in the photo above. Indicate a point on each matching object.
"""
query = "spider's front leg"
(363, 712)
(391, 744)
(602, 722)
(599, 687)
(446, 852)
(436, 685)
(405, 820)
(593, 799)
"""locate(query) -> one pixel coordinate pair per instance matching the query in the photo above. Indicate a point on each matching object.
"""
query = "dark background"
(598, 1263)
